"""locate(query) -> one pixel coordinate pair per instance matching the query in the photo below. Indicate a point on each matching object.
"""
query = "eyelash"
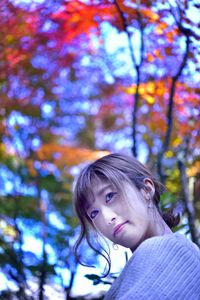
(110, 194)
(94, 211)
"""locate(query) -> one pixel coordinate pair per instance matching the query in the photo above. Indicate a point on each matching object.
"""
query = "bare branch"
(167, 138)
(125, 28)
(137, 66)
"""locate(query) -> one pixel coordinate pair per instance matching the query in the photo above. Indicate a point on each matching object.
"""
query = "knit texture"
(161, 268)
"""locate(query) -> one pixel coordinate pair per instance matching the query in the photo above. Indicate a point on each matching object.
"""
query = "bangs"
(89, 178)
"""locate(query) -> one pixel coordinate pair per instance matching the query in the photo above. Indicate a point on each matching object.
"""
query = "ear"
(149, 190)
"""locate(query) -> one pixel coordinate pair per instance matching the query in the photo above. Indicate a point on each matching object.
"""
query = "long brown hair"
(114, 168)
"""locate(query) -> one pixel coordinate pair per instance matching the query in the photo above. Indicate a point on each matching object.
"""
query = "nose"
(112, 220)
(109, 215)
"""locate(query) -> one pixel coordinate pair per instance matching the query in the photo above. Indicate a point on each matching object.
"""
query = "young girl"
(117, 197)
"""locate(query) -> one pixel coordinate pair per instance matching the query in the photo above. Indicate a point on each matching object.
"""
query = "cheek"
(137, 212)
(121, 208)
(102, 228)
(98, 224)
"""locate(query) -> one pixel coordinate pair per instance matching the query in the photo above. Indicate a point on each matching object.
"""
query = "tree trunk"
(188, 203)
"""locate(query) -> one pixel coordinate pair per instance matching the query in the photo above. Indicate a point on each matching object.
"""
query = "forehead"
(100, 187)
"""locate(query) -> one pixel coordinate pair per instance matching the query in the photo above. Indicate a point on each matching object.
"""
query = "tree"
(79, 79)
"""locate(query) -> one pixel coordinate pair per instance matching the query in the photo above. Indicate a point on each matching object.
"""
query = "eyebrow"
(103, 189)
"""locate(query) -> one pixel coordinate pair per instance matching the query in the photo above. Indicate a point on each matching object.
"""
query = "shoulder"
(168, 243)
(166, 250)
(170, 262)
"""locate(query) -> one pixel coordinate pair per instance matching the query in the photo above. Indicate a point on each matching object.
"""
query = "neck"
(159, 226)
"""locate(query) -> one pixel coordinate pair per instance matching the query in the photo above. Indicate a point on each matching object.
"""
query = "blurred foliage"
(67, 86)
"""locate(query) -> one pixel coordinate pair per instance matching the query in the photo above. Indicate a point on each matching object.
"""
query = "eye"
(109, 196)
(93, 214)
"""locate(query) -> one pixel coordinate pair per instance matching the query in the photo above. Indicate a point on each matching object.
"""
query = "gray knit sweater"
(161, 268)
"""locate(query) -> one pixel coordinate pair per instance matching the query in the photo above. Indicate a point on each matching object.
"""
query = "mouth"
(118, 228)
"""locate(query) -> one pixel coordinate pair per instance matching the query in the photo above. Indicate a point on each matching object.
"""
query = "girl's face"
(126, 222)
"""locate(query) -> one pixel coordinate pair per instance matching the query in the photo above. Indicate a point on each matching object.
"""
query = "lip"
(119, 228)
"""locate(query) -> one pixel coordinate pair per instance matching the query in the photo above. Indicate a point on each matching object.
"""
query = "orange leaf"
(170, 37)
(168, 51)
(160, 28)
(150, 57)
(157, 53)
